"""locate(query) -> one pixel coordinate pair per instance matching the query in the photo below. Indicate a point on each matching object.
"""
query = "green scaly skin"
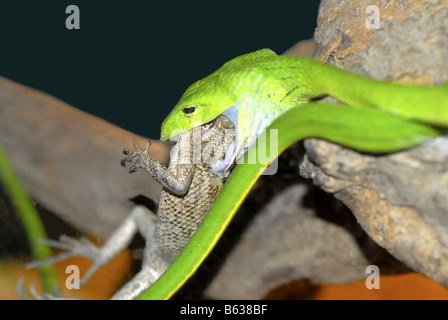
(257, 88)
(369, 130)
(378, 117)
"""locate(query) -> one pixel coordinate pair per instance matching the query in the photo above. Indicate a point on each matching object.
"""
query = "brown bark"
(69, 161)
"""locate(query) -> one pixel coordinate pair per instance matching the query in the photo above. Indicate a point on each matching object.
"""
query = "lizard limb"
(178, 184)
(190, 188)
(140, 282)
(140, 220)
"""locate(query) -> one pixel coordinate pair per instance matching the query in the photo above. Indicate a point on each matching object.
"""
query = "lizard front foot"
(139, 158)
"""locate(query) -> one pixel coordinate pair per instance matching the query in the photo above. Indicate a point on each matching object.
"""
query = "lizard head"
(203, 102)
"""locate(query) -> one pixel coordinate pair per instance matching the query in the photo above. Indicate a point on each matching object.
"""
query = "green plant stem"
(30, 219)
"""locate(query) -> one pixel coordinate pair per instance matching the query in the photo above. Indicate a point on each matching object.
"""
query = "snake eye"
(189, 110)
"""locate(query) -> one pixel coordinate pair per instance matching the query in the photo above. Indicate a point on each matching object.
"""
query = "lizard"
(254, 90)
(189, 189)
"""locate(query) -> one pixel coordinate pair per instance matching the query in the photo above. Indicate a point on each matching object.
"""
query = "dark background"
(131, 60)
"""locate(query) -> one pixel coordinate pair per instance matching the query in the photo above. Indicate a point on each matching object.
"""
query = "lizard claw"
(75, 247)
(138, 148)
(123, 161)
(148, 144)
(137, 157)
(128, 152)
(132, 169)
(34, 294)
(134, 141)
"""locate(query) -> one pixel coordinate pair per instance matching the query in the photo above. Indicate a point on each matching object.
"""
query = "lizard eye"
(189, 110)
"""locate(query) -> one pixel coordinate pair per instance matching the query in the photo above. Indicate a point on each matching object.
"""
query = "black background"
(131, 60)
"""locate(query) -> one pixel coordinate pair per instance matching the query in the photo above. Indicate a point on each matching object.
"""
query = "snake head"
(203, 102)
(206, 99)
